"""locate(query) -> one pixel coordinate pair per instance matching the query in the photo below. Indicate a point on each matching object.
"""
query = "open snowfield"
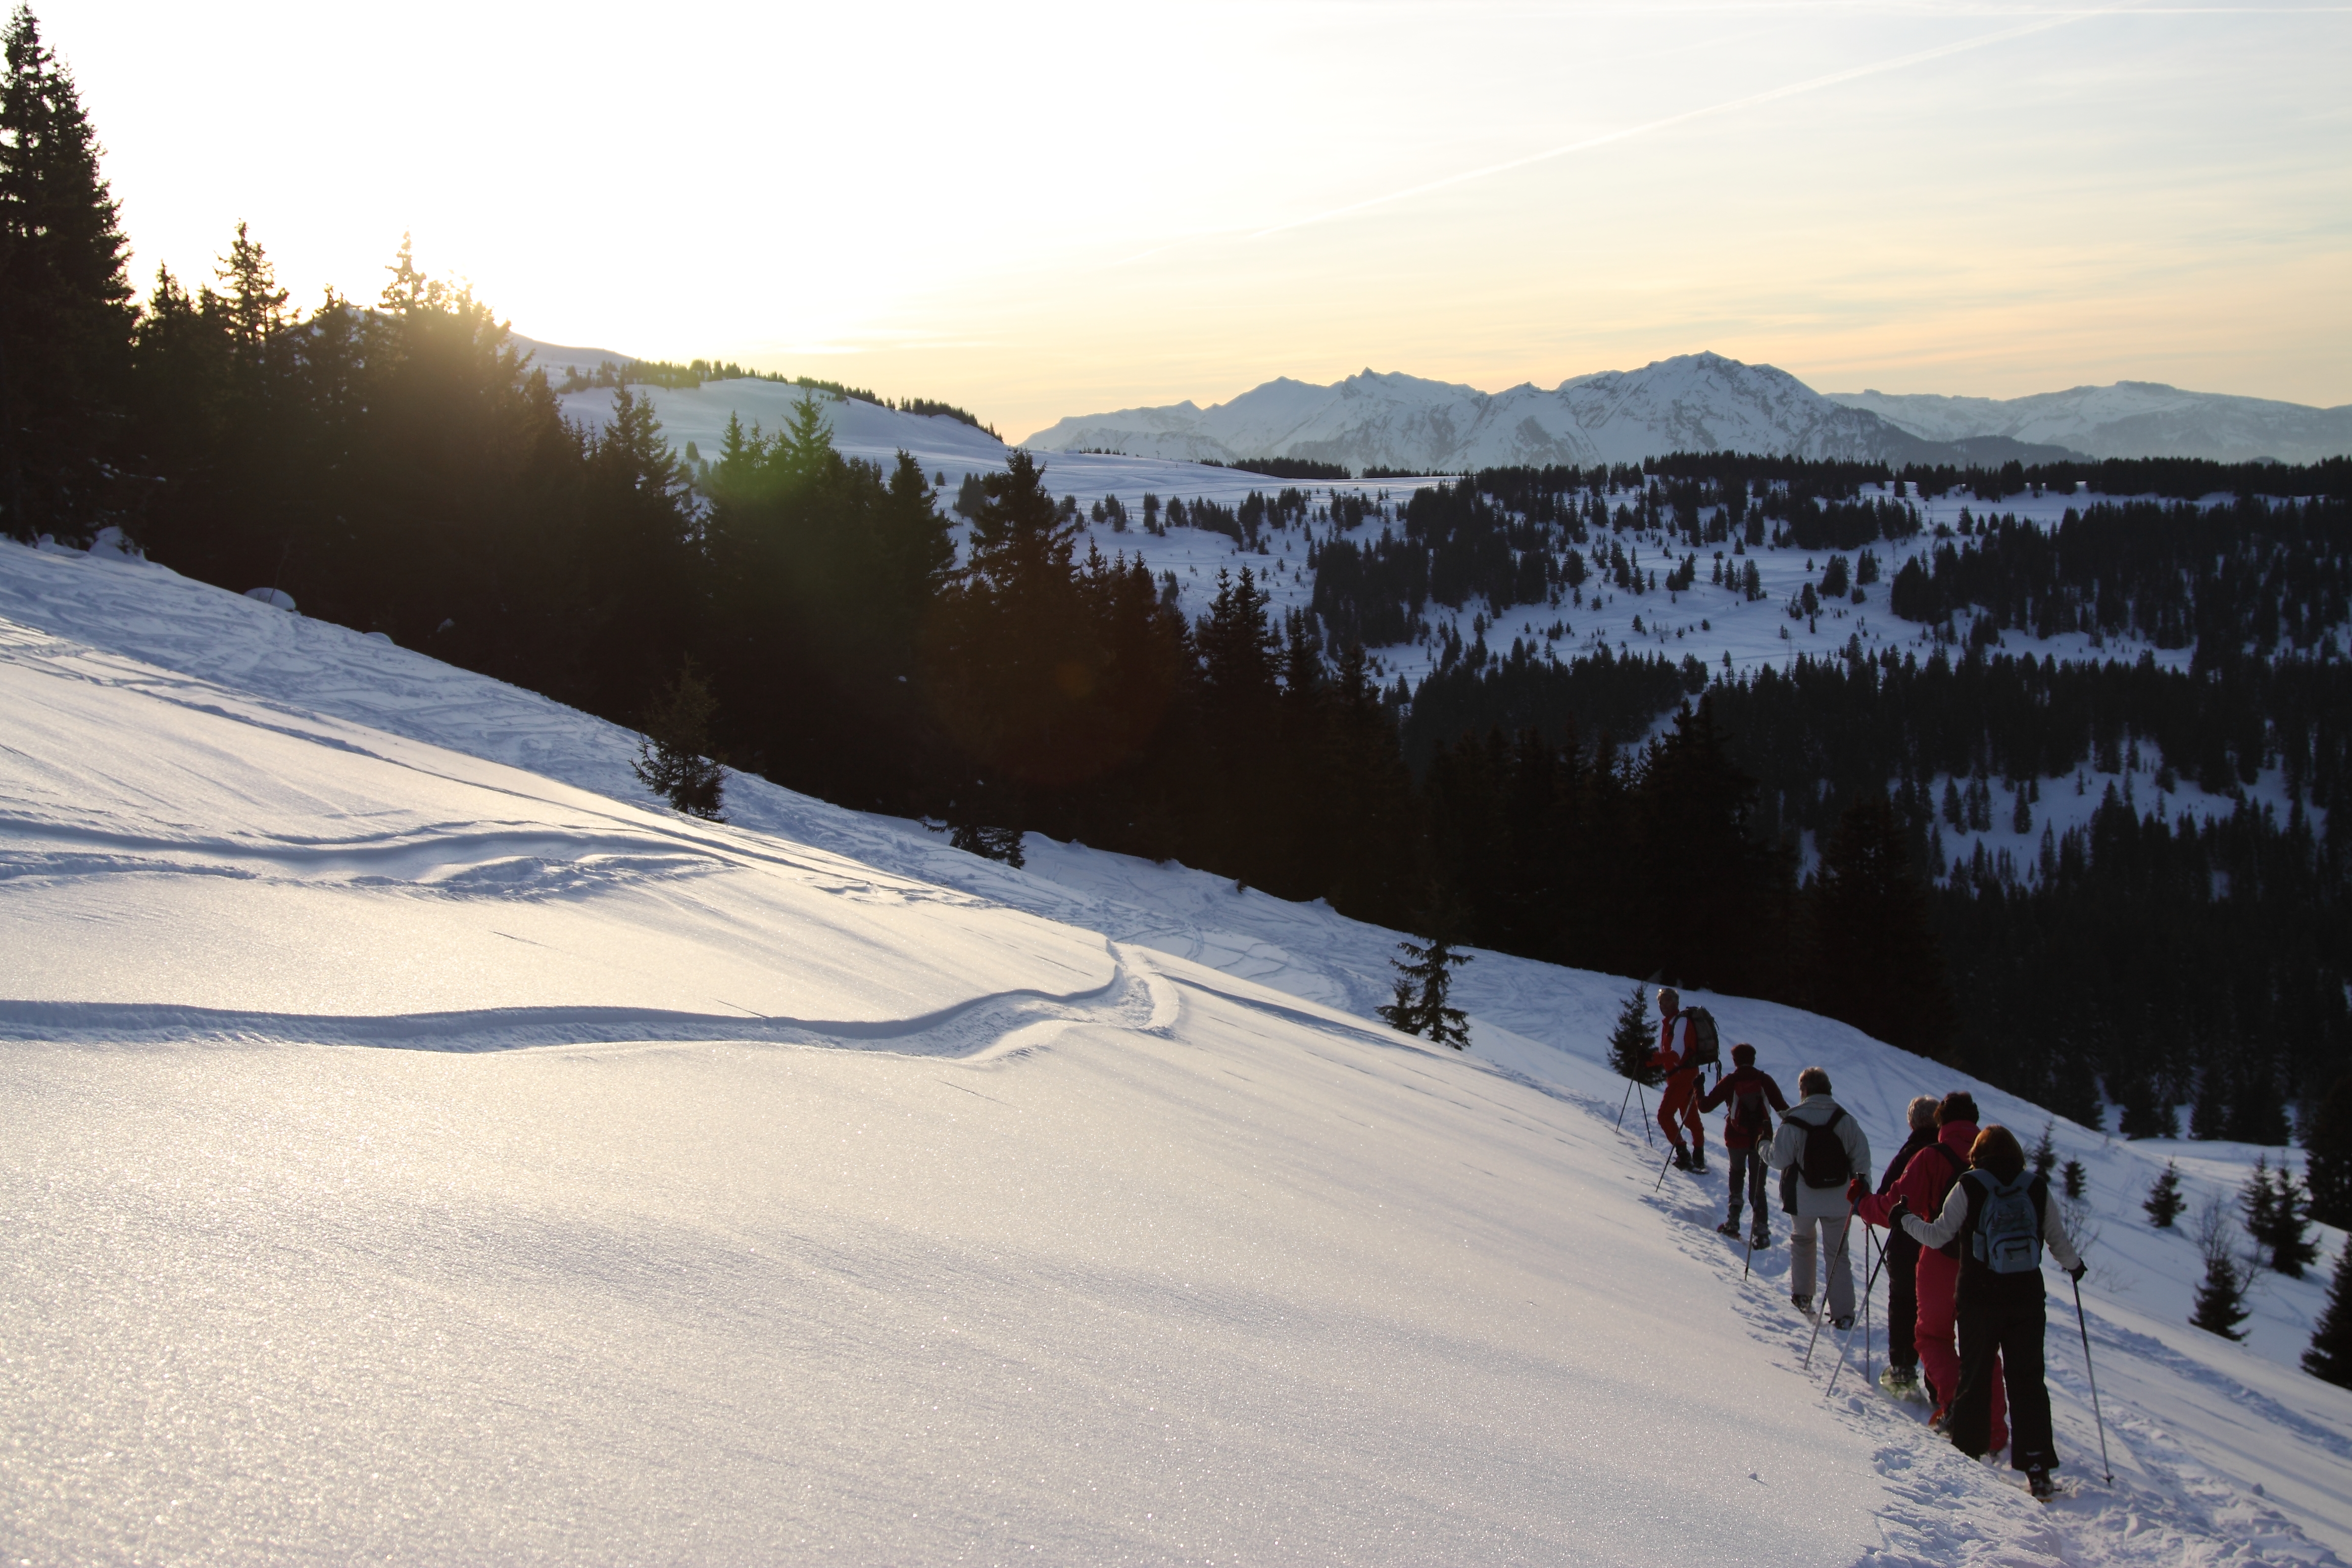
(416, 1146)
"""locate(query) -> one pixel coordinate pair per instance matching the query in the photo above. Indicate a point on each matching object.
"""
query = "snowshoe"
(1941, 1419)
(1729, 1228)
(1760, 1240)
(1698, 1161)
(1682, 1158)
(2038, 1482)
(1901, 1383)
(1804, 1304)
(1842, 1322)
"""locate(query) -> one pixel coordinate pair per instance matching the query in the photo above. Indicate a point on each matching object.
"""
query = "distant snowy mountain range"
(1695, 403)
(1692, 402)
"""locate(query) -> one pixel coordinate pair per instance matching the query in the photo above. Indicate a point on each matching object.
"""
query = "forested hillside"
(1791, 829)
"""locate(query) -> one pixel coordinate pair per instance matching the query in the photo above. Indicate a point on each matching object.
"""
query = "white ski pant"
(1827, 1233)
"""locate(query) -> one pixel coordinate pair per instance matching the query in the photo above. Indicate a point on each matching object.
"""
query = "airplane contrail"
(2041, 25)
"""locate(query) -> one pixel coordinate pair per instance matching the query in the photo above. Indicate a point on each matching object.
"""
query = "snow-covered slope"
(801, 1187)
(2129, 419)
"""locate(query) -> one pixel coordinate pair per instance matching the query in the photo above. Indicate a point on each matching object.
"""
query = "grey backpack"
(2008, 1235)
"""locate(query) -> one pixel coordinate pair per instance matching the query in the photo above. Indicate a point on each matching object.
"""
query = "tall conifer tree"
(66, 313)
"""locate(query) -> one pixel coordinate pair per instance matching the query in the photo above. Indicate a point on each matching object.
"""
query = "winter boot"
(1760, 1237)
(1698, 1159)
(1729, 1227)
(1900, 1381)
(1843, 1324)
(2038, 1478)
(1804, 1304)
(1682, 1158)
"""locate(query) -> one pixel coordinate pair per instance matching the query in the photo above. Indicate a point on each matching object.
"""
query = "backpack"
(1826, 1163)
(1752, 1114)
(2007, 1236)
(1706, 1045)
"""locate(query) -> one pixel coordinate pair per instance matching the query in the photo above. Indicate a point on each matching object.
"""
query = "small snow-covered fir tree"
(1632, 1041)
(2046, 1152)
(1423, 978)
(2072, 1178)
(2278, 1218)
(673, 758)
(2164, 1200)
(2330, 1359)
(2221, 1297)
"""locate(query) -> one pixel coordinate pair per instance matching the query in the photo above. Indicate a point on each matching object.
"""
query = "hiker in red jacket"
(1920, 1190)
(1752, 1098)
(1679, 1102)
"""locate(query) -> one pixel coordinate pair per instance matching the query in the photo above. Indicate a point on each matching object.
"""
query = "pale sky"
(1037, 210)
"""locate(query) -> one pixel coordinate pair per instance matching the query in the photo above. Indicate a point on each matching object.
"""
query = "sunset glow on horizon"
(1040, 211)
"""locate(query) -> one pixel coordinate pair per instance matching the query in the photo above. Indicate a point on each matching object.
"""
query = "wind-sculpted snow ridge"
(417, 1146)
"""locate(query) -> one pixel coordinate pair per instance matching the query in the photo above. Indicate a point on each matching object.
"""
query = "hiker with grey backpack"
(2000, 1215)
(1817, 1150)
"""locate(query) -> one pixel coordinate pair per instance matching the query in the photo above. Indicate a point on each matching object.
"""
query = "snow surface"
(801, 1187)
(2129, 419)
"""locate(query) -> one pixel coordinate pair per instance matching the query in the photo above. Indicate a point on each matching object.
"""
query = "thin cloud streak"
(1852, 73)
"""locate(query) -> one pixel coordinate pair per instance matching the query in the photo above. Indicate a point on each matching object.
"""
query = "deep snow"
(802, 1186)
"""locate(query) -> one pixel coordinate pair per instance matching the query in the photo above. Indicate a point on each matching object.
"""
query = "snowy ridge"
(1691, 403)
(2129, 419)
(1099, 1222)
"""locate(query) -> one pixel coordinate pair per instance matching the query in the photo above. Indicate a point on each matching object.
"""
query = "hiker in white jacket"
(1819, 1150)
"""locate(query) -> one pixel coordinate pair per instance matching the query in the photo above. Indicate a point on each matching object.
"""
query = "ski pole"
(1829, 1270)
(1868, 1285)
(1623, 1103)
(1642, 1101)
(2084, 1324)
(1660, 1183)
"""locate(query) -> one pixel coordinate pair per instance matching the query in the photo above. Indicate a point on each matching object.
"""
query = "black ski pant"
(2003, 1327)
(1747, 1162)
(1902, 1270)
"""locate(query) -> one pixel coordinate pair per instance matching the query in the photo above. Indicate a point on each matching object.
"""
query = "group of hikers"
(1966, 1221)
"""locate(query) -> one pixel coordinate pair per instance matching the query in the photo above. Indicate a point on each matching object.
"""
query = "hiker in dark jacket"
(1902, 1264)
(2003, 1216)
(1751, 1096)
(1814, 1192)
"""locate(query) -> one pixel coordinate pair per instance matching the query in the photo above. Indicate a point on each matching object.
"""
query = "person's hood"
(1820, 1104)
(1957, 1136)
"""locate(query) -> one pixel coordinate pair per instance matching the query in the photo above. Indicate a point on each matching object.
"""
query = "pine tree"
(66, 312)
(673, 758)
(2046, 1152)
(2277, 1211)
(1422, 980)
(2072, 1177)
(2330, 1359)
(2164, 1200)
(2327, 1148)
(2222, 1298)
(1633, 1040)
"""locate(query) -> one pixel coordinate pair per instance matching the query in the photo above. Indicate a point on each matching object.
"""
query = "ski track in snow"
(358, 784)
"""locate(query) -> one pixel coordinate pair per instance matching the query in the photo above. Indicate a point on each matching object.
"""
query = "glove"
(1895, 1215)
(1856, 1190)
(2076, 1273)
